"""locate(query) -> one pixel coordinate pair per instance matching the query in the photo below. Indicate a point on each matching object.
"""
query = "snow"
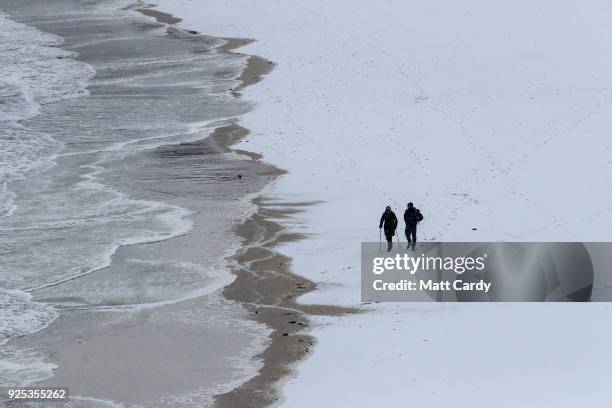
(487, 115)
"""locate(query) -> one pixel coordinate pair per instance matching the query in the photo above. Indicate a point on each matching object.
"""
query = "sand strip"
(267, 287)
(160, 16)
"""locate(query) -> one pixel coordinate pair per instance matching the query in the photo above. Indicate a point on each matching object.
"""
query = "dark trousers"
(411, 235)
(389, 235)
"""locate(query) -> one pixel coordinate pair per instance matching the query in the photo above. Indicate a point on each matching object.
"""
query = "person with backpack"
(412, 216)
(389, 221)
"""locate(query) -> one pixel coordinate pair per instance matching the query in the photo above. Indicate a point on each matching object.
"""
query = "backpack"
(419, 216)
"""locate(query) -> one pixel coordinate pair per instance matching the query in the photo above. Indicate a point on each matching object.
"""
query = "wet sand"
(256, 67)
(265, 284)
(159, 16)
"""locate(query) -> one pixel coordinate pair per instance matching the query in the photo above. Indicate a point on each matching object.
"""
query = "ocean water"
(35, 72)
(92, 98)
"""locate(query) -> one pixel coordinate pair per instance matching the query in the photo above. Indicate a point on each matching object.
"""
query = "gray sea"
(104, 115)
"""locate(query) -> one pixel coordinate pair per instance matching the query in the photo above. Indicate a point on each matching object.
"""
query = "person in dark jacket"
(412, 216)
(389, 221)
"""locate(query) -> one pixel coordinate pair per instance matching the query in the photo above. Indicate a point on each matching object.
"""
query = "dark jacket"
(389, 220)
(412, 216)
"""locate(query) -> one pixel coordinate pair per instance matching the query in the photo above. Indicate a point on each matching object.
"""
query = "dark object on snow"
(240, 177)
(389, 221)
(412, 216)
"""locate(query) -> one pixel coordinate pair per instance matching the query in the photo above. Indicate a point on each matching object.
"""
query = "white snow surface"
(486, 114)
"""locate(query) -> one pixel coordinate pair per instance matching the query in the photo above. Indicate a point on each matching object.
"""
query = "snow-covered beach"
(184, 188)
(492, 118)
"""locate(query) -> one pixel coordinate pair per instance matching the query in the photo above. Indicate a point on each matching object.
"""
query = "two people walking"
(388, 221)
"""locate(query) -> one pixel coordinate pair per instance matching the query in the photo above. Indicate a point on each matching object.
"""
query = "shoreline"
(264, 282)
(257, 303)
